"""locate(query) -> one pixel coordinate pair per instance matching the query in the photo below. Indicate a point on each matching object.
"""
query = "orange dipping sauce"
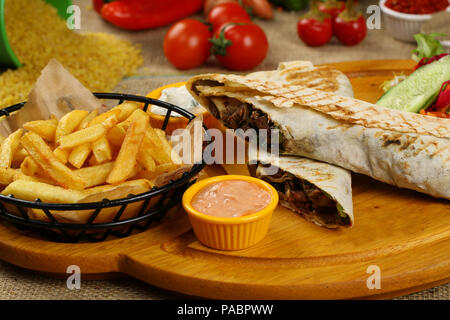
(231, 198)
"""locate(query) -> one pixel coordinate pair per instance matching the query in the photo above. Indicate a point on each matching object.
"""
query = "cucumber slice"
(418, 90)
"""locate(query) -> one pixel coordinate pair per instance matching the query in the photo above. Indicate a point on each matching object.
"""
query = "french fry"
(7, 176)
(168, 147)
(104, 117)
(145, 159)
(21, 176)
(31, 190)
(19, 156)
(85, 122)
(69, 123)
(133, 116)
(44, 157)
(126, 159)
(79, 154)
(83, 136)
(108, 214)
(131, 183)
(110, 121)
(2, 138)
(155, 147)
(135, 170)
(116, 135)
(62, 154)
(9, 147)
(102, 150)
(29, 167)
(30, 171)
(45, 128)
(126, 109)
(95, 175)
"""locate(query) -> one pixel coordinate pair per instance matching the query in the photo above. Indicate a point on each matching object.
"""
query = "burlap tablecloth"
(16, 283)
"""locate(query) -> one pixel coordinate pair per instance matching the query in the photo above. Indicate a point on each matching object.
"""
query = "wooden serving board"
(405, 233)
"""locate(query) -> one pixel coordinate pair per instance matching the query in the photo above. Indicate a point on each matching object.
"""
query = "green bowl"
(7, 57)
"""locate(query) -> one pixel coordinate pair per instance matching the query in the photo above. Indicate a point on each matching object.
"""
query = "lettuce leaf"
(427, 46)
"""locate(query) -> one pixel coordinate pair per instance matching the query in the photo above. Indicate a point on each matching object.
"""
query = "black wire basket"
(155, 203)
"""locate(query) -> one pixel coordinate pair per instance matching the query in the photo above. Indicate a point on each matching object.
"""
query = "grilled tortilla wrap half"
(404, 149)
(318, 191)
(304, 73)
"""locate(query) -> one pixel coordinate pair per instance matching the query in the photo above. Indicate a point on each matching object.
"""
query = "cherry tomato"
(314, 32)
(240, 46)
(315, 28)
(227, 12)
(186, 44)
(332, 7)
(350, 32)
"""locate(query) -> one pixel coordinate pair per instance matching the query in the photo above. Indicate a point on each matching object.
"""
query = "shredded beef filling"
(243, 115)
(303, 196)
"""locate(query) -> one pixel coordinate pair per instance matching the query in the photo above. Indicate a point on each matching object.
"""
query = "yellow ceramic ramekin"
(157, 120)
(230, 233)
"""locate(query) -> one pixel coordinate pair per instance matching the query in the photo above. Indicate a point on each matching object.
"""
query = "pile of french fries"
(83, 154)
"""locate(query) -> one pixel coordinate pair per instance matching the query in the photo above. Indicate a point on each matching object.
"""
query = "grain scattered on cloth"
(37, 34)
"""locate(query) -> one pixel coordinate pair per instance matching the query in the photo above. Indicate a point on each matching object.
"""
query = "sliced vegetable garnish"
(426, 61)
(427, 46)
(388, 84)
(441, 108)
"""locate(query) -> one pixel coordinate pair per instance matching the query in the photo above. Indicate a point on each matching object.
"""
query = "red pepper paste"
(417, 6)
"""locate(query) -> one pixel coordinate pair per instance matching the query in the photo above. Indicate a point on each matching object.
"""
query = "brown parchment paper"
(56, 92)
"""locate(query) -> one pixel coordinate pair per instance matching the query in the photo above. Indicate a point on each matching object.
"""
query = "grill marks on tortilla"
(321, 78)
(296, 70)
(303, 197)
(350, 110)
(394, 139)
(405, 142)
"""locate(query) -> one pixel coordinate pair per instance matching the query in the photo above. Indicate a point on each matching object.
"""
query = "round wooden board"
(404, 233)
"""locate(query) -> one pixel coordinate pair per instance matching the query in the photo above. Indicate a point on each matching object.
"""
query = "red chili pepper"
(139, 15)
(350, 26)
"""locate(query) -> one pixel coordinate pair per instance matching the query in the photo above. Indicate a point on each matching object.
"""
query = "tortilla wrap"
(404, 149)
(304, 73)
(318, 191)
